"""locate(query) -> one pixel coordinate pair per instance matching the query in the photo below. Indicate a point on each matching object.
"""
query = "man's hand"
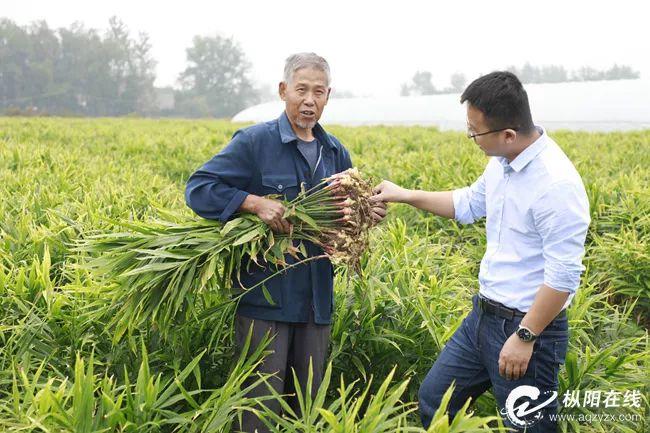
(379, 211)
(389, 192)
(270, 211)
(440, 203)
(514, 357)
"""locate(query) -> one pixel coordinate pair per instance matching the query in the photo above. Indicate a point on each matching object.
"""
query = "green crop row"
(62, 370)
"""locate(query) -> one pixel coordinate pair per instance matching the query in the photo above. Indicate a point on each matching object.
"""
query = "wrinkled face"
(496, 143)
(305, 96)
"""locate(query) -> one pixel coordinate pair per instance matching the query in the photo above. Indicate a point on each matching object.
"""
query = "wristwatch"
(525, 334)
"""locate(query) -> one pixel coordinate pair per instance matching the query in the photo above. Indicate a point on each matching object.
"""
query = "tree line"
(88, 72)
(82, 71)
(422, 83)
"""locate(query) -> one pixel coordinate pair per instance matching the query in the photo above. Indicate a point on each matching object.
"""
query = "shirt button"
(280, 187)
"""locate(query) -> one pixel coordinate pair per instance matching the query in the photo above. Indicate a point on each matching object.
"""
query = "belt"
(498, 309)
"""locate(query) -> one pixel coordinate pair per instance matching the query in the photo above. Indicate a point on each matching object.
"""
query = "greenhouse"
(588, 106)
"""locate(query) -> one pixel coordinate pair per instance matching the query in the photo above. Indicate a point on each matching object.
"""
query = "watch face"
(524, 334)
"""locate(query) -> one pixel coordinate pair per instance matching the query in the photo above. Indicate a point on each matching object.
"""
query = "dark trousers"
(293, 346)
(471, 359)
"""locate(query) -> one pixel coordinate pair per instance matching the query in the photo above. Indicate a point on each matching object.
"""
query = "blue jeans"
(471, 360)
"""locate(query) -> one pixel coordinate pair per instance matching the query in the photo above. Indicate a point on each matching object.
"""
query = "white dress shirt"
(537, 218)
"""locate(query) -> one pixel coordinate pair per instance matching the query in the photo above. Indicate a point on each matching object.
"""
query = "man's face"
(305, 96)
(493, 144)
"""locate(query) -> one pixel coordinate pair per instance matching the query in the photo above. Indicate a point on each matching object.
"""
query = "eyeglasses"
(473, 136)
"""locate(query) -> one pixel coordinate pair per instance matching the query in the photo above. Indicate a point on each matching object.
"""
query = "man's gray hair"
(305, 60)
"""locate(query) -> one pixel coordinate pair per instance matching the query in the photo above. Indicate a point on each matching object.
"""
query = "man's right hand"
(389, 192)
(440, 203)
(270, 211)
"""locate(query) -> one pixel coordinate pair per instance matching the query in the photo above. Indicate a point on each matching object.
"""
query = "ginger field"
(62, 369)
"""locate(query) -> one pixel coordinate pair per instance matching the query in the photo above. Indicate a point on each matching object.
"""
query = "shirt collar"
(287, 135)
(528, 154)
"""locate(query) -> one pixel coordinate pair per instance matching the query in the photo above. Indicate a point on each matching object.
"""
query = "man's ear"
(329, 91)
(511, 136)
(282, 90)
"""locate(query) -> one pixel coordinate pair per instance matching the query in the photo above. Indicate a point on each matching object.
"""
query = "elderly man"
(277, 157)
(537, 211)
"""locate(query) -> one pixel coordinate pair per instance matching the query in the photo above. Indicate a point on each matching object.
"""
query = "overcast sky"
(374, 46)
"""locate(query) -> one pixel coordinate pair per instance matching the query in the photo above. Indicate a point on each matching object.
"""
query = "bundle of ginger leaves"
(158, 268)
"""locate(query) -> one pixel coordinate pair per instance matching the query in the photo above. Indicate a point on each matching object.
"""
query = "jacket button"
(280, 187)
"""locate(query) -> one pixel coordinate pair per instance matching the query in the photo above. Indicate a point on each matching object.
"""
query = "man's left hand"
(514, 357)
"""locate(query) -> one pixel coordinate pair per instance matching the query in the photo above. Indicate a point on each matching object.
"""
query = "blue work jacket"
(264, 159)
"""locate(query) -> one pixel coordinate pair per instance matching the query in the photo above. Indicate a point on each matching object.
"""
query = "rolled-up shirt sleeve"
(561, 216)
(217, 189)
(469, 202)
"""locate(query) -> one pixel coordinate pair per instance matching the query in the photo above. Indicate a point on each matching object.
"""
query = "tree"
(75, 70)
(82, 72)
(131, 69)
(23, 75)
(623, 72)
(553, 74)
(422, 83)
(216, 82)
(458, 81)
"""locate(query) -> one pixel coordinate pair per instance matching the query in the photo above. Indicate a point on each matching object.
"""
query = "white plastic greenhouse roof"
(591, 106)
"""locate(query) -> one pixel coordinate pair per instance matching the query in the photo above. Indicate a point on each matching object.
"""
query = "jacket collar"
(287, 135)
